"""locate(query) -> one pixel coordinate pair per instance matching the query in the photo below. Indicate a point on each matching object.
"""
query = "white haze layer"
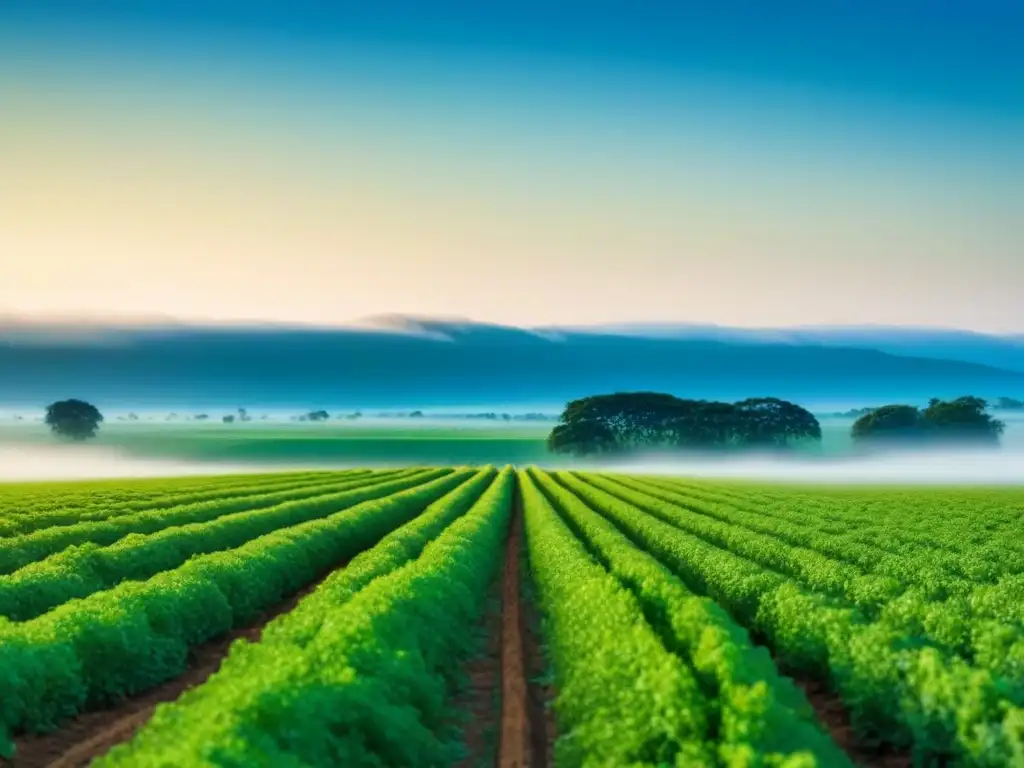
(949, 467)
(72, 462)
(968, 467)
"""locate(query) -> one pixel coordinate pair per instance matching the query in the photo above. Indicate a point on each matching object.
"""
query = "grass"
(381, 442)
(319, 443)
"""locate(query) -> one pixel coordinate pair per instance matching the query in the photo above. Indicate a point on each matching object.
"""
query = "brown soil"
(92, 734)
(834, 716)
(478, 698)
(514, 745)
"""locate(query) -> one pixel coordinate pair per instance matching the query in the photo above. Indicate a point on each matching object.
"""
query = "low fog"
(953, 467)
(1003, 466)
(74, 462)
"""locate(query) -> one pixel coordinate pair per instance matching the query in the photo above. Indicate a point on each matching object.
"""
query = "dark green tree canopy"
(73, 419)
(774, 422)
(628, 421)
(963, 419)
(901, 422)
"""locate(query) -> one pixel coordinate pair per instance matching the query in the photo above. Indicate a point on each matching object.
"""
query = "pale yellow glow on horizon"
(194, 222)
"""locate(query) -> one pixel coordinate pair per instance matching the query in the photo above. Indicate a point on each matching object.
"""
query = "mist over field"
(947, 467)
(1001, 466)
(71, 462)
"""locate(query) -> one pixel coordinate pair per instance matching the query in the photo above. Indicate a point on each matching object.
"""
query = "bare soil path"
(835, 717)
(92, 734)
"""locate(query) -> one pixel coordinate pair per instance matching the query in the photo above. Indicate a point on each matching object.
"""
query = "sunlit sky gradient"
(752, 163)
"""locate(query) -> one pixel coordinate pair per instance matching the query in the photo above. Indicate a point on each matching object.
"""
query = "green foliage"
(361, 673)
(622, 698)
(888, 422)
(751, 710)
(19, 551)
(628, 421)
(88, 653)
(907, 603)
(73, 419)
(896, 667)
(81, 570)
(961, 420)
(769, 421)
(25, 515)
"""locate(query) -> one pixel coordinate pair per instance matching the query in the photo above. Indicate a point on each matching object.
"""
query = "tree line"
(626, 422)
(963, 420)
(623, 422)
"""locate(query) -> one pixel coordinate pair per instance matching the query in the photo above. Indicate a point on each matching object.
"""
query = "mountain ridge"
(418, 361)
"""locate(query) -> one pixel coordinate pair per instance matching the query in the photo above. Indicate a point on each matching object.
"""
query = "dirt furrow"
(833, 714)
(92, 734)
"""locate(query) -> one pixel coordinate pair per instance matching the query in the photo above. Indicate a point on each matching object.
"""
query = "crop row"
(362, 671)
(938, 705)
(877, 534)
(90, 652)
(18, 499)
(987, 630)
(647, 672)
(895, 520)
(66, 512)
(84, 569)
(18, 551)
(673, 611)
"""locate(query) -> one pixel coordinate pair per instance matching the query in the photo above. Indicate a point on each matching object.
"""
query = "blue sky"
(739, 163)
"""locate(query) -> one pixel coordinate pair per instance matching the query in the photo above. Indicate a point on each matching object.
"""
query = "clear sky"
(747, 163)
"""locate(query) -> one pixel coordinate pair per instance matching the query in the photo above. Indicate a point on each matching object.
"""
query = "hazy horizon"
(393, 321)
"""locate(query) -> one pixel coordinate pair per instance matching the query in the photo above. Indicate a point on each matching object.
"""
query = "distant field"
(406, 617)
(315, 443)
(382, 443)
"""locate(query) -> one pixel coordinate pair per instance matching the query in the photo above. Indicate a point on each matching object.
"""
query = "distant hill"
(965, 346)
(404, 362)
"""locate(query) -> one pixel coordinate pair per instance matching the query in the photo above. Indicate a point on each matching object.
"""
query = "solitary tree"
(229, 419)
(73, 419)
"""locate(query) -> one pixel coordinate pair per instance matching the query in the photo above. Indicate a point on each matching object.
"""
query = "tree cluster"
(1009, 404)
(961, 420)
(633, 421)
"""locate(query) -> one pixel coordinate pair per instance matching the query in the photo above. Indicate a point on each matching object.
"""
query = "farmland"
(299, 445)
(435, 616)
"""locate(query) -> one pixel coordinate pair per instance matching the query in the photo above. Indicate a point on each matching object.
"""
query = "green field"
(333, 443)
(371, 618)
(312, 443)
